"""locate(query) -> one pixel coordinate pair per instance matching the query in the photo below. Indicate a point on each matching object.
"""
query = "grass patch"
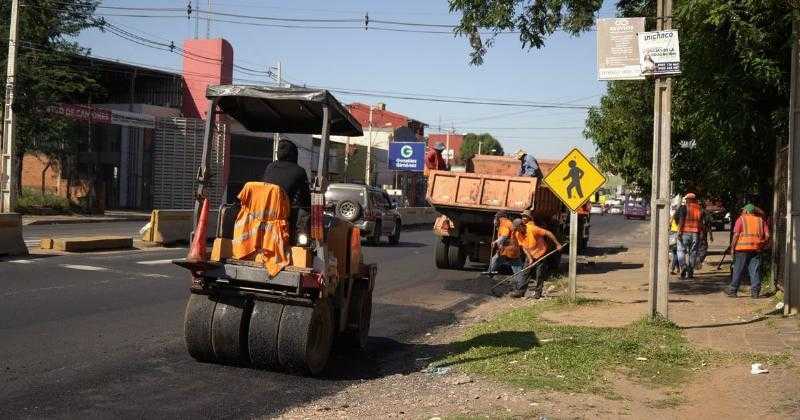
(671, 401)
(519, 348)
(31, 201)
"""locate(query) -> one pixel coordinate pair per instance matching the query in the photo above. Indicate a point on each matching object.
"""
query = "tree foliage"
(534, 19)
(45, 74)
(472, 142)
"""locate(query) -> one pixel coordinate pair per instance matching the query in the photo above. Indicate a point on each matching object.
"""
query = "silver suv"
(369, 208)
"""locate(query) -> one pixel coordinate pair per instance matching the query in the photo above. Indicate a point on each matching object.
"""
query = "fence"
(177, 152)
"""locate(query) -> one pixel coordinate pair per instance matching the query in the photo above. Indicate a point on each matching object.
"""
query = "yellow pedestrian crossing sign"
(574, 179)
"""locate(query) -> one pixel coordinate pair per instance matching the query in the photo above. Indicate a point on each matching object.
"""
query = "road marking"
(33, 242)
(21, 261)
(154, 262)
(84, 267)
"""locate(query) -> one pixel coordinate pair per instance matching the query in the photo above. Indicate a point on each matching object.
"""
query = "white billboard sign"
(659, 53)
(617, 48)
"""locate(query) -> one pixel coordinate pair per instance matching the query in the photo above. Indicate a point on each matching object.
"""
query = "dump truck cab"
(237, 312)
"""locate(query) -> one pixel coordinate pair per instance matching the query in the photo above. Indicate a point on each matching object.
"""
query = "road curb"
(82, 221)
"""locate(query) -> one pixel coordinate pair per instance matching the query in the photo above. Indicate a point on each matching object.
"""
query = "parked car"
(370, 209)
(635, 210)
(615, 209)
(719, 216)
(597, 209)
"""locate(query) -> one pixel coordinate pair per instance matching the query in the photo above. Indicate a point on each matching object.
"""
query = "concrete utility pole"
(208, 21)
(197, 19)
(791, 272)
(8, 163)
(659, 223)
(276, 138)
(447, 147)
(369, 150)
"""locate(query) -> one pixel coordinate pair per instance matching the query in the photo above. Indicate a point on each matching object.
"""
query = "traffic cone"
(197, 252)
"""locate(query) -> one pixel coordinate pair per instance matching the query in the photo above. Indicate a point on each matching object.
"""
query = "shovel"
(525, 271)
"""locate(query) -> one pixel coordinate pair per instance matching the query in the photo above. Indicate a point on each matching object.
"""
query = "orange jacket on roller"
(752, 237)
(692, 222)
(261, 232)
(506, 228)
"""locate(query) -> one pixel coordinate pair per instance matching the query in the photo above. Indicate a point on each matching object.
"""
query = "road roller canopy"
(283, 110)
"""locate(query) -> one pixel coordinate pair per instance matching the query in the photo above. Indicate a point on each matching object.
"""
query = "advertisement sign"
(81, 113)
(407, 157)
(659, 53)
(618, 49)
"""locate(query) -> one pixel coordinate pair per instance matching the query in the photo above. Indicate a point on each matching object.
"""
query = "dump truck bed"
(449, 191)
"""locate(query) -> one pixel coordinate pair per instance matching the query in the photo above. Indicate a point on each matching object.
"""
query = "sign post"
(573, 181)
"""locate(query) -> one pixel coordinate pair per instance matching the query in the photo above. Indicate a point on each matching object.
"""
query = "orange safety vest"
(533, 240)
(506, 228)
(752, 237)
(261, 231)
(692, 221)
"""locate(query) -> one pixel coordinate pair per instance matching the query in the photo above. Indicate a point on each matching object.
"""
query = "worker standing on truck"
(690, 219)
(750, 237)
(529, 166)
(434, 160)
(508, 250)
(292, 178)
(533, 241)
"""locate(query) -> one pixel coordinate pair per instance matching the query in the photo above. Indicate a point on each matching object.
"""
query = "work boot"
(518, 293)
(730, 292)
(537, 294)
(756, 294)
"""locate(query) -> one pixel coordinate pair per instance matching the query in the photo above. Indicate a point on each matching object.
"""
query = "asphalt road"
(101, 334)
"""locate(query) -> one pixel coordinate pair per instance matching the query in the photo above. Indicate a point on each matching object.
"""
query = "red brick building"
(452, 142)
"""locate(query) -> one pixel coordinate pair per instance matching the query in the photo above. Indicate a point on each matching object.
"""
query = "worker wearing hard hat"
(434, 160)
(529, 166)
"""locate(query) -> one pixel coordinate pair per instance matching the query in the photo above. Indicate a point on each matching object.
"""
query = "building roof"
(381, 118)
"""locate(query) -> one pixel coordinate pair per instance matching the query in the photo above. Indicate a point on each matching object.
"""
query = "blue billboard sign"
(407, 156)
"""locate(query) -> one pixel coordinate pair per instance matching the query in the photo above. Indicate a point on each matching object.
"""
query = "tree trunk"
(44, 176)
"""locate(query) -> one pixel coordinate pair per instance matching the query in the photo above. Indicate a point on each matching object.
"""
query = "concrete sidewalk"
(109, 216)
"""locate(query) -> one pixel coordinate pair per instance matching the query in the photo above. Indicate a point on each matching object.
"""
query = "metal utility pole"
(197, 19)
(8, 163)
(791, 272)
(369, 150)
(480, 147)
(658, 273)
(208, 21)
(573, 254)
(276, 138)
(447, 148)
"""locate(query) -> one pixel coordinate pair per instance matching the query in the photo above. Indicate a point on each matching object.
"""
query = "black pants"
(538, 274)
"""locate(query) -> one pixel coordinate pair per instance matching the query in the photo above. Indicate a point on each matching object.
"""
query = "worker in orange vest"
(533, 242)
(508, 252)
(750, 237)
(690, 219)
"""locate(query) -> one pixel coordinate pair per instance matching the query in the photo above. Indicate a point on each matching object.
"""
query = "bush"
(31, 201)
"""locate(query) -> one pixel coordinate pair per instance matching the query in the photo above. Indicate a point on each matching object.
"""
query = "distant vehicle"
(597, 209)
(719, 216)
(615, 209)
(635, 210)
(368, 208)
(397, 198)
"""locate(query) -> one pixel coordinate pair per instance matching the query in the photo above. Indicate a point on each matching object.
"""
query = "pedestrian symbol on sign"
(574, 179)
(406, 151)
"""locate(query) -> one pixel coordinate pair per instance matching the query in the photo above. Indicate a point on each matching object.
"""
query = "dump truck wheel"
(456, 257)
(262, 337)
(197, 327)
(394, 239)
(442, 251)
(229, 329)
(305, 337)
(359, 317)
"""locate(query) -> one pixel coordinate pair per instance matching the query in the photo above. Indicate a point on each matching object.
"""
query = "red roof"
(456, 140)
(381, 118)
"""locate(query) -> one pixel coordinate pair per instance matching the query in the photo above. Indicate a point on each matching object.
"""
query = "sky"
(564, 71)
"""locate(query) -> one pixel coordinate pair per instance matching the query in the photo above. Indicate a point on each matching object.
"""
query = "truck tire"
(394, 239)
(348, 210)
(375, 238)
(456, 258)
(262, 336)
(442, 251)
(197, 327)
(583, 244)
(305, 337)
(229, 329)
(359, 317)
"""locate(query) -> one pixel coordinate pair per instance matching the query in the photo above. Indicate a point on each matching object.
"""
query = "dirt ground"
(707, 317)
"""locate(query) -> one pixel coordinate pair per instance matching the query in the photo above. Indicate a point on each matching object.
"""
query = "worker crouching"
(532, 240)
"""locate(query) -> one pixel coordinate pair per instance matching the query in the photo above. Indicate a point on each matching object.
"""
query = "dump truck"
(468, 202)
(237, 313)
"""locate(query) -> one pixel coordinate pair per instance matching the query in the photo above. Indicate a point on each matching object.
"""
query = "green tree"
(472, 142)
(45, 74)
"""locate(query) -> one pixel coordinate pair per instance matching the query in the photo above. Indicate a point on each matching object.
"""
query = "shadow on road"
(608, 250)
(602, 267)
(400, 245)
